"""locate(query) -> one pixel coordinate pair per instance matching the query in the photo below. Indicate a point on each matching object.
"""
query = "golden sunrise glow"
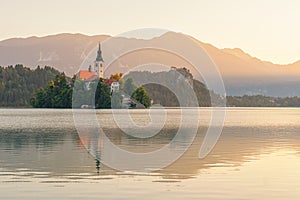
(266, 29)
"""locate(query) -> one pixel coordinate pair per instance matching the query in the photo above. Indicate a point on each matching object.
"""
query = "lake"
(256, 157)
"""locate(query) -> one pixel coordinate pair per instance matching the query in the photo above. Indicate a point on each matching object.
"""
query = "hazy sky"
(267, 29)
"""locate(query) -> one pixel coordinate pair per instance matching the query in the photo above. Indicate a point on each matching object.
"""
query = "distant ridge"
(242, 73)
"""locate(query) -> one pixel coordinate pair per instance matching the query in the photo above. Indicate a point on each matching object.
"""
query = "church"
(96, 72)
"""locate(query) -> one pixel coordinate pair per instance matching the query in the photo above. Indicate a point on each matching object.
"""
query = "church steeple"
(99, 54)
(99, 64)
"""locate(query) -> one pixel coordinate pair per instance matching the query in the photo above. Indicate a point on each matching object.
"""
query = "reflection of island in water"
(236, 146)
(55, 148)
(60, 152)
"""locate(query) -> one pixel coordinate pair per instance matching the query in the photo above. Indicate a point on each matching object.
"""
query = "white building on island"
(114, 87)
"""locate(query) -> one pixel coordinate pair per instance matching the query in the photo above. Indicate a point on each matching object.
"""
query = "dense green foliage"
(141, 96)
(18, 84)
(57, 94)
(102, 95)
(262, 101)
(163, 96)
(138, 94)
(82, 96)
(161, 87)
(48, 88)
(64, 92)
(129, 87)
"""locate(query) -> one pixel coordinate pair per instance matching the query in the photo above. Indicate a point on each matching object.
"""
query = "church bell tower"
(99, 64)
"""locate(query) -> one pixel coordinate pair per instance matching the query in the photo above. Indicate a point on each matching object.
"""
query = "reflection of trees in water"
(236, 146)
(56, 151)
(46, 137)
(131, 143)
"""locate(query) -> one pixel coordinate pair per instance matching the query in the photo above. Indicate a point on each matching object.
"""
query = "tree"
(141, 96)
(18, 84)
(116, 76)
(57, 94)
(102, 96)
(129, 87)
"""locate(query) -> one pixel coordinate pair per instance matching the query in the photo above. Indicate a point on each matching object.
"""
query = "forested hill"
(170, 85)
(19, 83)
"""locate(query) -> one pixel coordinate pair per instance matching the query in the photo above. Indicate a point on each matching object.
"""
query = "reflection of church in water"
(91, 141)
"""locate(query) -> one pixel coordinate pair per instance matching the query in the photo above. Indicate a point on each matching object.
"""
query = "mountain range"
(242, 73)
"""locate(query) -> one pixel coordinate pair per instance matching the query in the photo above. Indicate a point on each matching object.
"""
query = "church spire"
(99, 63)
(99, 54)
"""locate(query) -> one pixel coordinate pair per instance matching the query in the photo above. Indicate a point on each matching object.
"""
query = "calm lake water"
(256, 157)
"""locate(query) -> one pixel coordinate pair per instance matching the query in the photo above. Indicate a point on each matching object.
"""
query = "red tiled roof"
(109, 81)
(84, 74)
(91, 78)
